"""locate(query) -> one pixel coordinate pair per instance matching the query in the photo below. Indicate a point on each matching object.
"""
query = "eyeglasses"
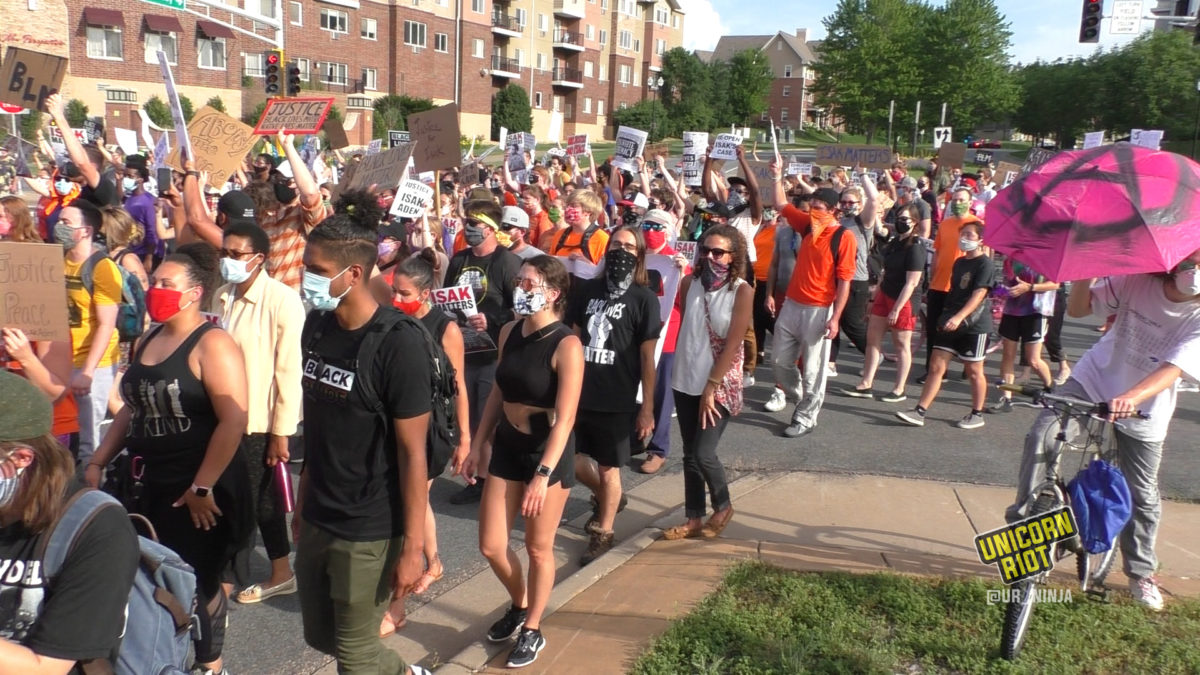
(236, 255)
(471, 222)
(714, 252)
(632, 248)
(527, 283)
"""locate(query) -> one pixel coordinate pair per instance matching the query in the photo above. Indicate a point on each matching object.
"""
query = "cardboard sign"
(869, 156)
(726, 145)
(385, 169)
(335, 134)
(518, 143)
(33, 293)
(1036, 158)
(688, 249)
(1093, 139)
(1006, 173)
(219, 144)
(30, 77)
(469, 175)
(630, 142)
(181, 134)
(577, 145)
(398, 138)
(952, 155)
(412, 199)
(297, 116)
(653, 150)
(459, 302)
(766, 186)
(694, 145)
(436, 135)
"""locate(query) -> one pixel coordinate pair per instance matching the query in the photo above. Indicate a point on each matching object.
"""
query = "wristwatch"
(544, 471)
(200, 491)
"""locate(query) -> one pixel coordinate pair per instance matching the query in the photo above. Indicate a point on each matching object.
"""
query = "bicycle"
(1051, 494)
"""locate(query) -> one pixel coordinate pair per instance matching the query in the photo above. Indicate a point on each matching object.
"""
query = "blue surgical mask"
(316, 291)
(235, 271)
(63, 187)
(9, 486)
(129, 184)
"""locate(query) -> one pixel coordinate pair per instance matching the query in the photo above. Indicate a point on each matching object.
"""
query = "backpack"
(1102, 504)
(131, 312)
(583, 241)
(160, 616)
(443, 422)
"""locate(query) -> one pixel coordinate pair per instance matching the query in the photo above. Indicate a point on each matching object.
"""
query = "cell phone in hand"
(164, 181)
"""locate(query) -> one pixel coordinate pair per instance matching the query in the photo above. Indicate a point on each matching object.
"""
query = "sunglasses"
(714, 252)
(656, 227)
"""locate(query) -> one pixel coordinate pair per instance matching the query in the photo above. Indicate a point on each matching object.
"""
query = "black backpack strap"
(835, 246)
(383, 324)
(583, 242)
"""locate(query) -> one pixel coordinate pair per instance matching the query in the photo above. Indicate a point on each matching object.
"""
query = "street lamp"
(654, 85)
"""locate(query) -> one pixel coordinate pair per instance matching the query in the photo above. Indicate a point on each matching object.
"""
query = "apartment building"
(578, 58)
(791, 56)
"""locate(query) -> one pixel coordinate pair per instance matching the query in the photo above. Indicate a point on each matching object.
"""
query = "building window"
(625, 39)
(369, 78)
(165, 42)
(537, 99)
(603, 73)
(368, 29)
(104, 42)
(765, 116)
(623, 105)
(519, 55)
(600, 106)
(660, 16)
(253, 65)
(521, 16)
(477, 6)
(675, 22)
(787, 70)
(787, 91)
(660, 47)
(335, 21)
(587, 69)
(333, 73)
(541, 62)
(624, 74)
(477, 48)
(414, 34)
(603, 5)
(296, 13)
(637, 46)
(783, 115)
(441, 42)
(587, 105)
(305, 67)
(603, 37)
(542, 22)
(589, 31)
(212, 52)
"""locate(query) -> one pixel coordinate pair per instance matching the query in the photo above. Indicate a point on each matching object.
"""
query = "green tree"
(189, 110)
(216, 104)
(76, 112)
(250, 117)
(1159, 92)
(335, 114)
(966, 62)
(159, 112)
(391, 112)
(510, 109)
(749, 85)
(648, 115)
(686, 94)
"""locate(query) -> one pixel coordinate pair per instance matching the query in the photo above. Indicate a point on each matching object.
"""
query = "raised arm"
(755, 199)
(306, 185)
(90, 172)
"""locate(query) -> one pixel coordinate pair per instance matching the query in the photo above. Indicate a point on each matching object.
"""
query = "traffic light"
(272, 77)
(293, 78)
(1089, 24)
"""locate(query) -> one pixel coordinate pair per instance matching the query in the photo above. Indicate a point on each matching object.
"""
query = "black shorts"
(966, 346)
(1029, 329)
(517, 455)
(604, 436)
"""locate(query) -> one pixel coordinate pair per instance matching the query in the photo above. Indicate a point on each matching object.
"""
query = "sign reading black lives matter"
(28, 78)
(1022, 549)
(294, 115)
(396, 138)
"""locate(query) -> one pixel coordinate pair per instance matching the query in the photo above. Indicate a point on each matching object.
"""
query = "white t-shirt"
(1149, 331)
(746, 225)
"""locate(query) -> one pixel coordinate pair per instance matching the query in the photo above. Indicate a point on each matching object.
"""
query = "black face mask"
(284, 194)
(630, 217)
(618, 271)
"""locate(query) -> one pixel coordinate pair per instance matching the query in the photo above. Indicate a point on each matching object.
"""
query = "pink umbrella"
(1117, 209)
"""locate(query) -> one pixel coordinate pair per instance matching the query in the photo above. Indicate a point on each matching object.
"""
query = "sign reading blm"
(294, 115)
(30, 77)
(33, 294)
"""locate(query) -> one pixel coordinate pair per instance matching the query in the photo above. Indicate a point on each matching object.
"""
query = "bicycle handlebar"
(1044, 398)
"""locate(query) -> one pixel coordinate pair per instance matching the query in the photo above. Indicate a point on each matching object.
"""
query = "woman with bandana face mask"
(197, 491)
(618, 318)
(84, 615)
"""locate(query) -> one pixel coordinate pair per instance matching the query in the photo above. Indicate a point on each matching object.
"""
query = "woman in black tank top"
(184, 415)
(412, 286)
(528, 417)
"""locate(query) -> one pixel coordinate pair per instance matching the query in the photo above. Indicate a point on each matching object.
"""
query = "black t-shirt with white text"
(351, 460)
(612, 333)
(968, 276)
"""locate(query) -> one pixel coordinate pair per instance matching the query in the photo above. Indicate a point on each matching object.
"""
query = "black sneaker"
(508, 626)
(529, 643)
(469, 494)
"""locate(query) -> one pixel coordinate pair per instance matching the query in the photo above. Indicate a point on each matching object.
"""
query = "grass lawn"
(764, 619)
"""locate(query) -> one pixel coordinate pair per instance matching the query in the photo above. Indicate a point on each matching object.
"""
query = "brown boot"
(599, 542)
(652, 463)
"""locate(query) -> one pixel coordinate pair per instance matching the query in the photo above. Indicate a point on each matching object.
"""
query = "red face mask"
(410, 308)
(163, 303)
(654, 239)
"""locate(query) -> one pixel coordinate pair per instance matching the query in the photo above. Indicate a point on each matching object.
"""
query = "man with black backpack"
(857, 215)
(359, 522)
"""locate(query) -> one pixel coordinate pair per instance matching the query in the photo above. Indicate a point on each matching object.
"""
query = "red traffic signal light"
(272, 58)
(1089, 23)
(272, 76)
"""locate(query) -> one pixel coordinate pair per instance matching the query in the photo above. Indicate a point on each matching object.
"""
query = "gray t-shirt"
(864, 245)
(529, 252)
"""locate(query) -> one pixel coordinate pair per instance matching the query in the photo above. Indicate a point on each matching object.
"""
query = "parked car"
(984, 143)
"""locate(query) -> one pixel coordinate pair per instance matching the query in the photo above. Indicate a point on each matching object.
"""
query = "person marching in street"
(528, 420)
(617, 317)
(779, 275)
(946, 251)
(857, 215)
(1027, 311)
(715, 307)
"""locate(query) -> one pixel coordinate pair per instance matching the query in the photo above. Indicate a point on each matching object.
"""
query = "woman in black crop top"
(184, 415)
(531, 412)
(412, 286)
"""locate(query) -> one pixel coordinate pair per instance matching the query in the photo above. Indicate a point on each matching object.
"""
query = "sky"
(1042, 29)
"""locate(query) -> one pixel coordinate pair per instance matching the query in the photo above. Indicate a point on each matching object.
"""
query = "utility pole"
(1196, 130)
(891, 114)
(916, 125)
(943, 114)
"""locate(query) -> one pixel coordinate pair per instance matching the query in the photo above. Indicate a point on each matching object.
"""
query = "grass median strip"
(764, 619)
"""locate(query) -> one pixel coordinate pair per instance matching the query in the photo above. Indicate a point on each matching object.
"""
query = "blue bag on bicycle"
(1102, 504)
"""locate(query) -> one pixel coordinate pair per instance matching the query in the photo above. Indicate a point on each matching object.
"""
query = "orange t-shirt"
(814, 281)
(764, 247)
(538, 225)
(946, 251)
(597, 245)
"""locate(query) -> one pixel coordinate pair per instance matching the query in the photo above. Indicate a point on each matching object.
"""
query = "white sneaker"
(1146, 592)
(747, 380)
(1187, 386)
(831, 370)
(777, 402)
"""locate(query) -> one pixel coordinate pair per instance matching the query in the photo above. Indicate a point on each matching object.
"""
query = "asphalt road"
(853, 436)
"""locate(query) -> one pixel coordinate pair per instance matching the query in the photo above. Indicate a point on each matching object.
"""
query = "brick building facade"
(791, 57)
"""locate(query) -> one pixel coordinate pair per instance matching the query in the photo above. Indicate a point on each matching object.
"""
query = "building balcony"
(569, 9)
(503, 24)
(505, 67)
(566, 77)
(568, 40)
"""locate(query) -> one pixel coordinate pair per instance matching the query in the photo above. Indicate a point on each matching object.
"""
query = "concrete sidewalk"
(801, 521)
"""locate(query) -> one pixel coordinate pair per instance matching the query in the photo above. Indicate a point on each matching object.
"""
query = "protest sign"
(952, 155)
(579, 267)
(1093, 139)
(1036, 158)
(655, 150)
(127, 140)
(868, 156)
(459, 302)
(412, 198)
(374, 146)
(398, 138)
(385, 169)
(766, 186)
(469, 175)
(1006, 173)
(335, 134)
(687, 249)
(1146, 138)
(310, 151)
(556, 125)
(30, 77)
(219, 143)
(983, 157)
(181, 133)
(93, 130)
(630, 142)
(294, 115)
(161, 150)
(664, 268)
(518, 143)
(726, 145)
(146, 137)
(694, 145)
(503, 142)
(34, 295)
(800, 169)
(436, 135)
(577, 145)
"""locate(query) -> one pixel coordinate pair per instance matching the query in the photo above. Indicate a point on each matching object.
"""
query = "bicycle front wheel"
(1092, 568)
(1016, 618)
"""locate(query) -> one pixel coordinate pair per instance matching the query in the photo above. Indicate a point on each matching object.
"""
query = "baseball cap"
(908, 182)
(393, 230)
(639, 200)
(69, 170)
(514, 216)
(659, 216)
(738, 180)
(827, 195)
(236, 205)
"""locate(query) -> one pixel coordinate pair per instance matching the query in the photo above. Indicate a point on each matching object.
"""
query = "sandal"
(713, 529)
(259, 592)
(682, 532)
(429, 576)
(390, 623)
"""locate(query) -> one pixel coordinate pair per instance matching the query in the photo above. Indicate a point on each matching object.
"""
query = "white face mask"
(235, 271)
(1187, 281)
(967, 245)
